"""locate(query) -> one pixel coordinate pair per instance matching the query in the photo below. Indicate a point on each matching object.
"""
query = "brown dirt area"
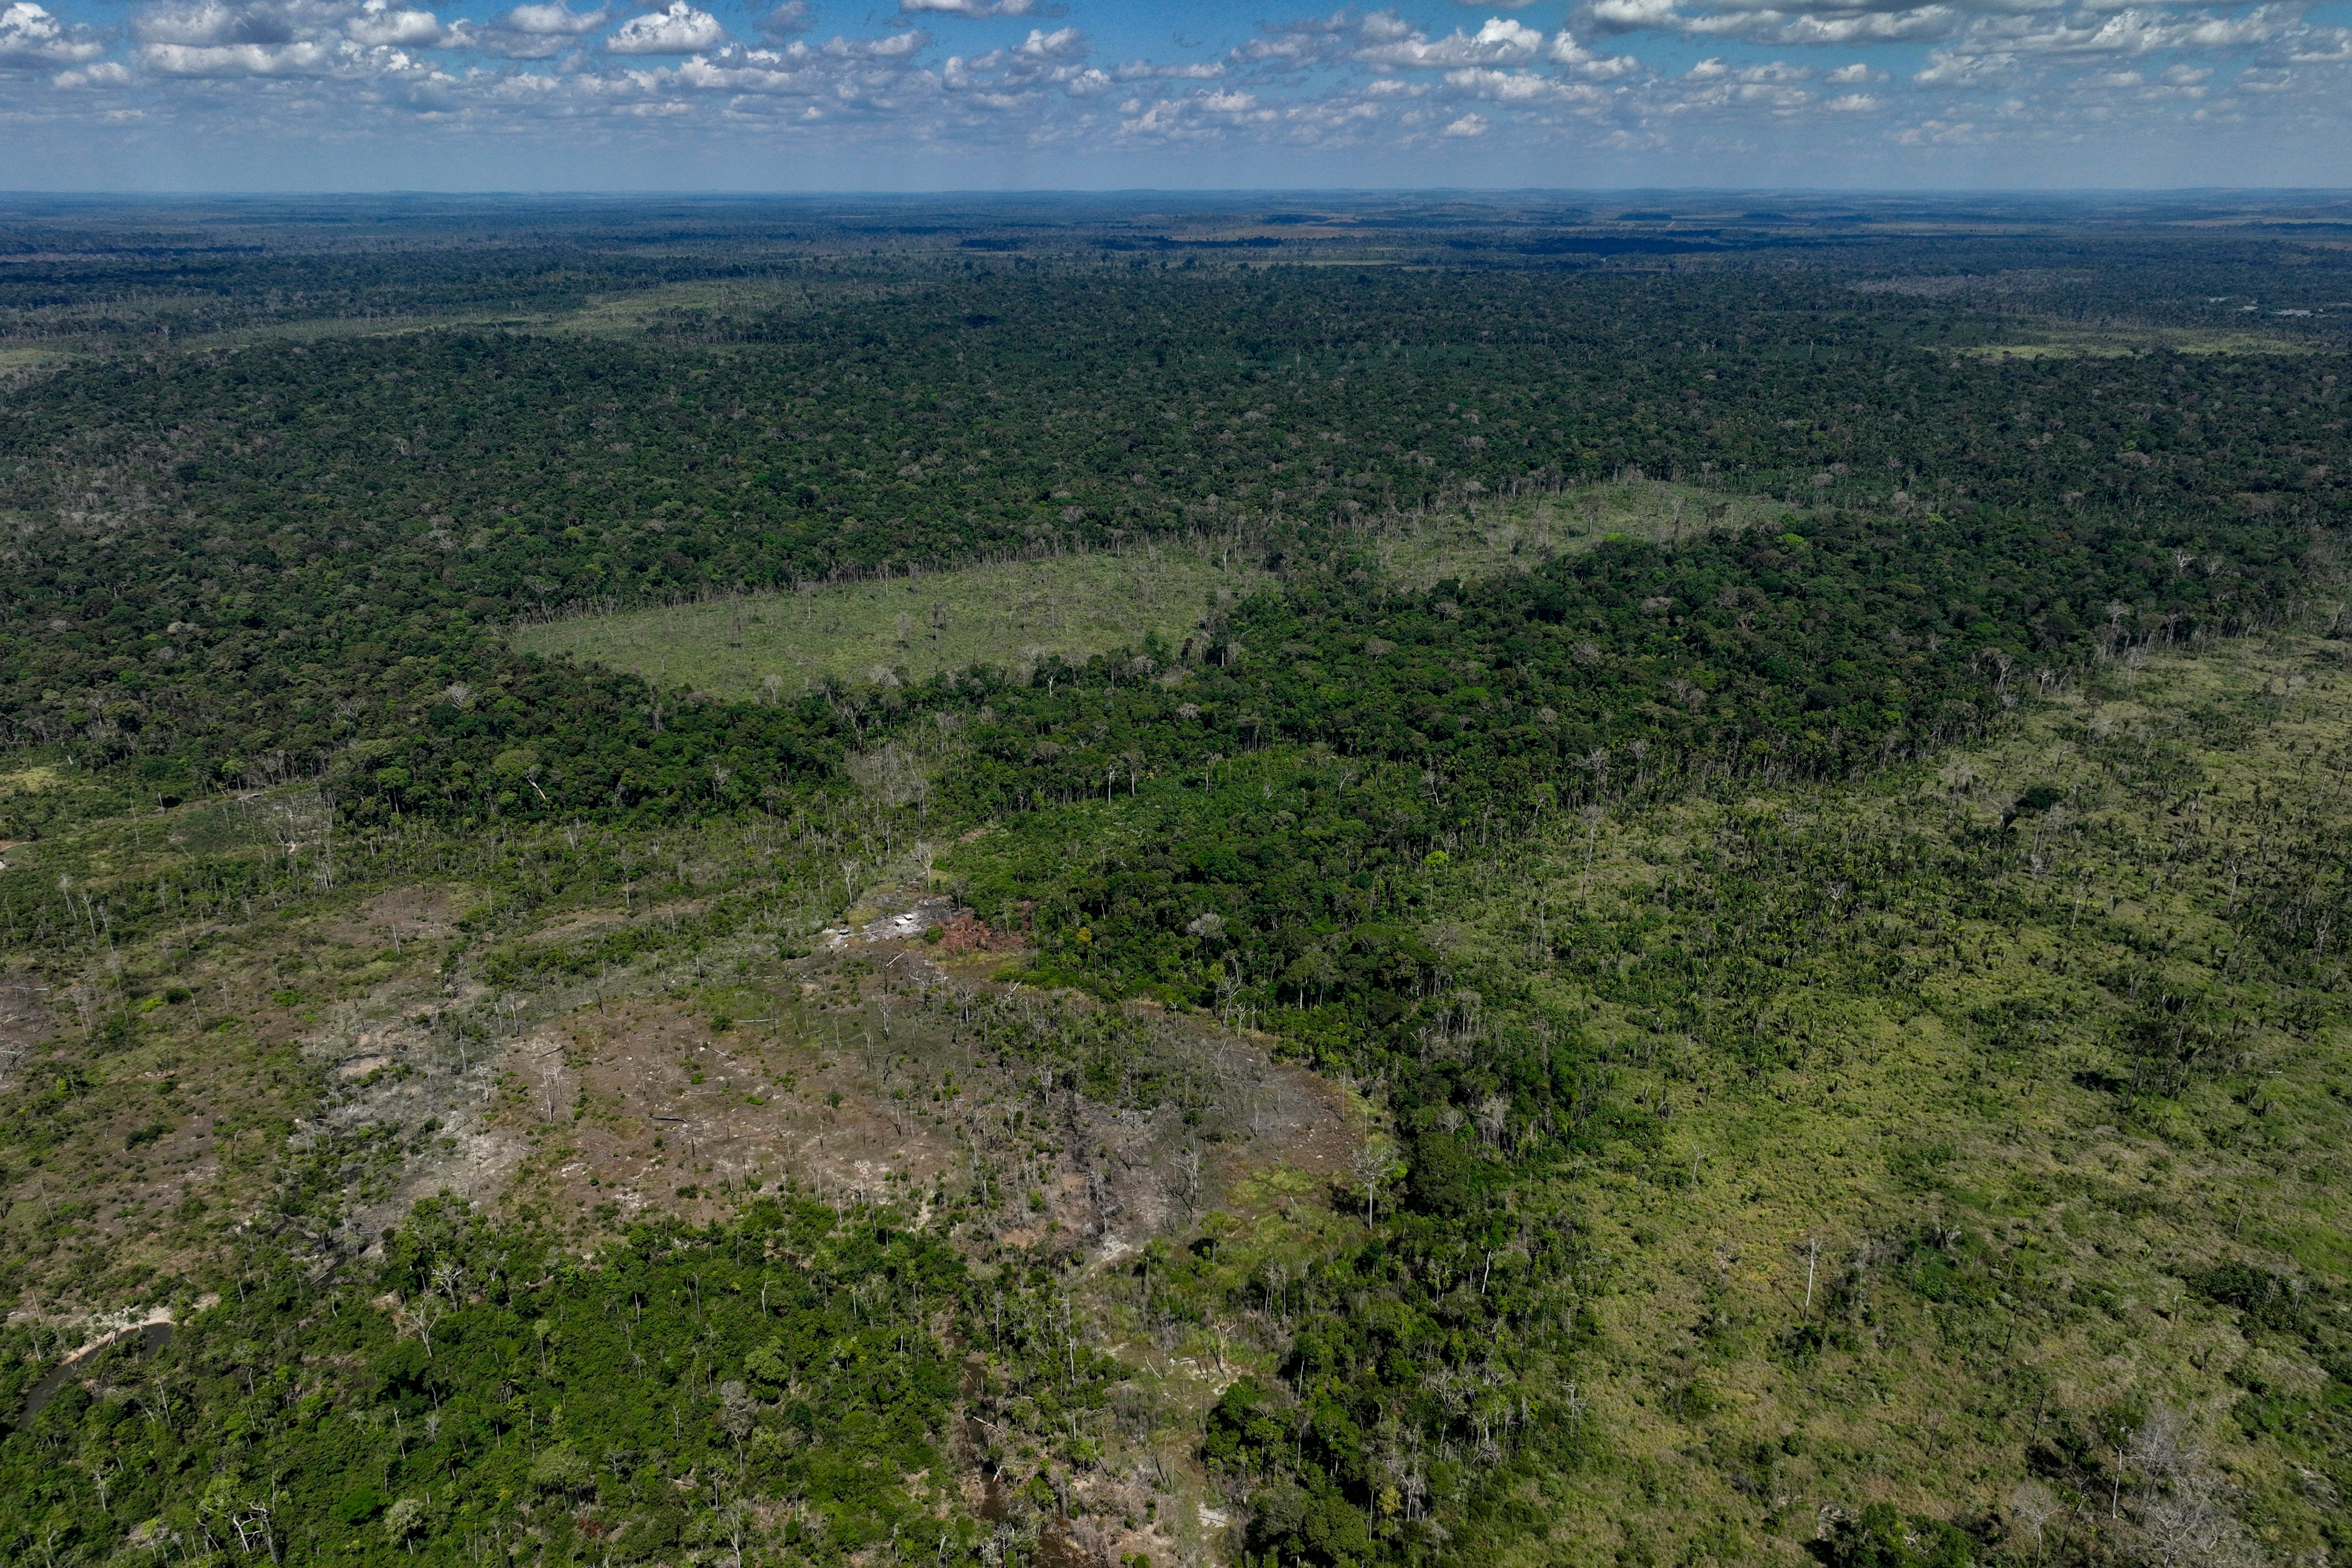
(834, 1080)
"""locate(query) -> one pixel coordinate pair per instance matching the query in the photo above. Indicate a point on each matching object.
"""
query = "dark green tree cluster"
(490, 1391)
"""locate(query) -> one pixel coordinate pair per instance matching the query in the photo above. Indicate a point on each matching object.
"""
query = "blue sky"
(220, 95)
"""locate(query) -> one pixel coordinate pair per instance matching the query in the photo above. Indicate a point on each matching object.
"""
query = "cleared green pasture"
(1006, 613)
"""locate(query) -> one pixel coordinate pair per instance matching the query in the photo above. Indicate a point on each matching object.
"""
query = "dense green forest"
(1810, 1025)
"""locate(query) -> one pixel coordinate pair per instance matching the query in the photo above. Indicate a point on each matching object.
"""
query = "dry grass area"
(852, 1074)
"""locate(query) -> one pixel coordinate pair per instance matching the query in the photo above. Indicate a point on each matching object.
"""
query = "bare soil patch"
(856, 1075)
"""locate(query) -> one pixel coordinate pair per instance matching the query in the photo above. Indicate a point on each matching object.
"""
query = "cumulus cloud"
(789, 20)
(2138, 31)
(1501, 87)
(205, 39)
(301, 58)
(1962, 68)
(1343, 77)
(1202, 116)
(30, 38)
(845, 78)
(1145, 70)
(105, 73)
(680, 30)
(1768, 73)
(1501, 41)
(977, 9)
(1294, 46)
(1003, 78)
(1819, 22)
(555, 21)
(381, 23)
(214, 24)
(2093, 26)
(533, 32)
(1633, 15)
(1564, 50)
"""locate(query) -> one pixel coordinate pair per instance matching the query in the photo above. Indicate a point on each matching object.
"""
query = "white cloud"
(1294, 46)
(2138, 31)
(789, 20)
(680, 30)
(1145, 70)
(2325, 45)
(555, 21)
(1200, 116)
(105, 73)
(977, 9)
(209, 23)
(30, 38)
(301, 58)
(1956, 67)
(1566, 51)
(2033, 26)
(1501, 41)
(1502, 87)
(1041, 47)
(378, 22)
(862, 78)
(1004, 78)
(1717, 69)
(1631, 15)
(533, 31)
(214, 38)
(1995, 71)
(1865, 27)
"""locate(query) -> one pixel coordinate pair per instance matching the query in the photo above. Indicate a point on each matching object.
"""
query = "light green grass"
(2126, 345)
(1491, 538)
(621, 315)
(1005, 615)
(20, 359)
(605, 315)
(1001, 614)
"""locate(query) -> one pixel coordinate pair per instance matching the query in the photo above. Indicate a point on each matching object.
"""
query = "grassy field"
(2067, 344)
(626, 315)
(1002, 613)
(20, 359)
(1012, 613)
(1489, 537)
